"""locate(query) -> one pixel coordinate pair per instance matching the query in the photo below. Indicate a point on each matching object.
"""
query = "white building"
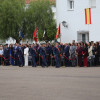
(72, 14)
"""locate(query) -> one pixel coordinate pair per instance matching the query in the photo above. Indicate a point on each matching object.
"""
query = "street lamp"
(65, 24)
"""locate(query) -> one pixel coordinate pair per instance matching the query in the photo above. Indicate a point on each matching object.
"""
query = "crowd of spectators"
(46, 54)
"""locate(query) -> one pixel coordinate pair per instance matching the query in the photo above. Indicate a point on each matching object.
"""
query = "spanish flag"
(88, 16)
(58, 32)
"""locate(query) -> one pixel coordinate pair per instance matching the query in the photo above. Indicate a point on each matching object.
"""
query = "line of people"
(46, 54)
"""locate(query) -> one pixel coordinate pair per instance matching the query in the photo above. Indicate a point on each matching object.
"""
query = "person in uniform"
(16, 60)
(6, 55)
(20, 56)
(43, 55)
(62, 53)
(66, 53)
(33, 54)
(56, 52)
(11, 54)
(48, 53)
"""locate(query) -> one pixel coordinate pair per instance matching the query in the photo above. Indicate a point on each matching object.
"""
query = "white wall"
(76, 19)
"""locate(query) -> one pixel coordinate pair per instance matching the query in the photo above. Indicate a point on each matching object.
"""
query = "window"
(93, 3)
(83, 36)
(70, 4)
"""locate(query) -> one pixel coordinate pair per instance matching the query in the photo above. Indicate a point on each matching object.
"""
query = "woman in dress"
(85, 55)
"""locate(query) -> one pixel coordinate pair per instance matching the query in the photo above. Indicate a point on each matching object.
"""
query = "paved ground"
(49, 83)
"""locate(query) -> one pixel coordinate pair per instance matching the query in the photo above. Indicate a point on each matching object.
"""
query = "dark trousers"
(44, 62)
(96, 60)
(48, 58)
(57, 60)
(34, 61)
(79, 60)
(20, 63)
(6, 61)
(67, 61)
(16, 60)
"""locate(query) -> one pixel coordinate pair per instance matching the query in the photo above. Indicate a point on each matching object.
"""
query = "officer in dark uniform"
(56, 52)
(43, 55)
(16, 60)
(66, 53)
(33, 54)
(20, 56)
(48, 53)
(6, 55)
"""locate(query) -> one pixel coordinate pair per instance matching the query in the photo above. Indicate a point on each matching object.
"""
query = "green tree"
(39, 14)
(15, 15)
(11, 17)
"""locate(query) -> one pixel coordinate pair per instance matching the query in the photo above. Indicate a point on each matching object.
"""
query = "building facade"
(71, 16)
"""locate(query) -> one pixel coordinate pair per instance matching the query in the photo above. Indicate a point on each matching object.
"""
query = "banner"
(88, 16)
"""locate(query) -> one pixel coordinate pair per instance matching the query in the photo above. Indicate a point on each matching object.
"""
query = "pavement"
(51, 83)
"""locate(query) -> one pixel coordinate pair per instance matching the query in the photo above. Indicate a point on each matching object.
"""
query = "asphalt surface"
(29, 83)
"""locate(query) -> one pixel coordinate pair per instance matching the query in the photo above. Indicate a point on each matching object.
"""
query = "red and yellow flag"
(88, 16)
(58, 32)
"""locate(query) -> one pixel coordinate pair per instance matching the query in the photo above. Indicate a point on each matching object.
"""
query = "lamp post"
(65, 24)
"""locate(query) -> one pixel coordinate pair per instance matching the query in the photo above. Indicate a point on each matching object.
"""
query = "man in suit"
(66, 53)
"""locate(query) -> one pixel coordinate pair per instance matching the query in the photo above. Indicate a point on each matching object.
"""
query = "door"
(83, 37)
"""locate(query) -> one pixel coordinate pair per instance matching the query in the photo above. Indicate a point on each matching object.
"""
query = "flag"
(45, 33)
(35, 35)
(20, 35)
(58, 32)
(88, 16)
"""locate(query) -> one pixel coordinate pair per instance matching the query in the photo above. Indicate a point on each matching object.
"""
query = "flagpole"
(60, 37)
(60, 33)
(89, 32)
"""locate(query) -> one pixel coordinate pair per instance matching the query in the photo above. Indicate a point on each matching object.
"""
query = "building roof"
(28, 1)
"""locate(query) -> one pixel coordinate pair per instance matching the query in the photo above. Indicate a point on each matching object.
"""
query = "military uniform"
(48, 54)
(56, 52)
(33, 54)
(16, 60)
(43, 56)
(66, 52)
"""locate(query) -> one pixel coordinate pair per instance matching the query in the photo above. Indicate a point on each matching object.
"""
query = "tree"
(15, 17)
(11, 17)
(39, 14)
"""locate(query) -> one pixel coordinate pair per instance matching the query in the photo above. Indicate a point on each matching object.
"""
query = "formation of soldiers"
(46, 54)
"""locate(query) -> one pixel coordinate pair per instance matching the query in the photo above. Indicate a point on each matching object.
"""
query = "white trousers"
(26, 60)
